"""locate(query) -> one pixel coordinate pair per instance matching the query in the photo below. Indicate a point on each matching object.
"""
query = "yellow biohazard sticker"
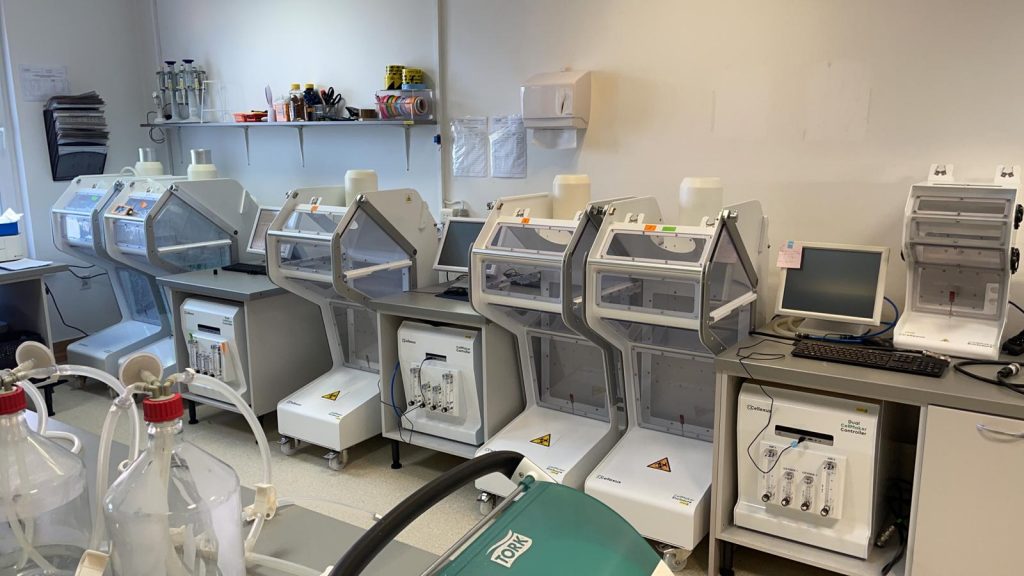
(332, 396)
(544, 440)
(661, 465)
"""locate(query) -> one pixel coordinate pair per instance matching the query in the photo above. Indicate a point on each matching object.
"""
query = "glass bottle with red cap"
(44, 501)
(177, 510)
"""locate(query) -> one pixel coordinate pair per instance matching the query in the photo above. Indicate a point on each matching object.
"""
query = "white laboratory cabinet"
(971, 495)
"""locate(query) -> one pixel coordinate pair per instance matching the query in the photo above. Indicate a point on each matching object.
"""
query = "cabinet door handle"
(984, 428)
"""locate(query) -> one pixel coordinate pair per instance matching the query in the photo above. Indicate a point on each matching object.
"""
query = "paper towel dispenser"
(557, 100)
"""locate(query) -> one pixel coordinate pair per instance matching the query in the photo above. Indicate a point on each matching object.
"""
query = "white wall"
(98, 40)
(344, 44)
(825, 111)
(766, 95)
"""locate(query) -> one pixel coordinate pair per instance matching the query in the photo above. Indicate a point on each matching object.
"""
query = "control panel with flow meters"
(214, 337)
(808, 467)
(441, 377)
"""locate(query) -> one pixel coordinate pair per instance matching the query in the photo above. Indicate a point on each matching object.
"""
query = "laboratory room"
(520, 287)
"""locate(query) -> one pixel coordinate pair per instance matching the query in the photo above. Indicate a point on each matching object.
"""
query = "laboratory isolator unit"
(669, 298)
(527, 273)
(161, 228)
(812, 472)
(341, 258)
(77, 227)
(959, 242)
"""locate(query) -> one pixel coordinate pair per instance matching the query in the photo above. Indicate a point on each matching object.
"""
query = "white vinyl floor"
(366, 486)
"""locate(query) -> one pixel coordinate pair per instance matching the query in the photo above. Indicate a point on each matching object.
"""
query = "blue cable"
(393, 407)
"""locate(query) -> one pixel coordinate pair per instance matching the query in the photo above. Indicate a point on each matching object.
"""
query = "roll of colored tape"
(412, 76)
(393, 76)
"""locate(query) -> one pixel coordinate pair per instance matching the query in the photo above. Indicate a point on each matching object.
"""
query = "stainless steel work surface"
(9, 276)
(295, 534)
(424, 302)
(218, 283)
(953, 390)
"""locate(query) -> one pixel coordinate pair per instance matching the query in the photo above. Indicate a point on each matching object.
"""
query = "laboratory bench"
(23, 306)
(295, 534)
(947, 436)
(502, 397)
(283, 343)
(23, 299)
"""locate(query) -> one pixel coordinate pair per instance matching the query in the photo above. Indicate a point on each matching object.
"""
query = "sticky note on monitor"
(790, 255)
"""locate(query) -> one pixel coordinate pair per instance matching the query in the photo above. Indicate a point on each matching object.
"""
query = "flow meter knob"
(825, 511)
(785, 501)
(767, 496)
(805, 506)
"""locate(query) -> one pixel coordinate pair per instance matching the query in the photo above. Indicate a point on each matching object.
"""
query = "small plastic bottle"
(311, 98)
(296, 104)
(177, 509)
(44, 501)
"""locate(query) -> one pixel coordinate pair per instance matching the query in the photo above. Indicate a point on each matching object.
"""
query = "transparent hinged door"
(77, 230)
(305, 242)
(675, 248)
(524, 279)
(569, 371)
(677, 392)
(75, 219)
(187, 239)
(532, 238)
(651, 295)
(130, 223)
(141, 296)
(357, 327)
(373, 262)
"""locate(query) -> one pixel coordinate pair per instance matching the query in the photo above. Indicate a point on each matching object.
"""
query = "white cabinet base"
(970, 496)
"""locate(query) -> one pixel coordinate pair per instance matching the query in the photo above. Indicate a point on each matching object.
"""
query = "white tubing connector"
(265, 504)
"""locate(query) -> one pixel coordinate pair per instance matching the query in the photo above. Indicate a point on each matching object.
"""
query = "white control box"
(441, 377)
(808, 467)
(215, 339)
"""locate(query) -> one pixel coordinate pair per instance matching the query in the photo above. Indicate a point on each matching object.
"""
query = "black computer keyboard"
(871, 357)
(245, 268)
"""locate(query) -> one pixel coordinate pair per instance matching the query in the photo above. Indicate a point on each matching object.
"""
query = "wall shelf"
(299, 128)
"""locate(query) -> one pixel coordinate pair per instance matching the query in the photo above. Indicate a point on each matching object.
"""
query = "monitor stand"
(825, 328)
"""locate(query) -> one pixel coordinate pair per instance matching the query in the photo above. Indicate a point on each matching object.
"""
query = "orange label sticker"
(544, 440)
(143, 204)
(525, 220)
(314, 208)
(661, 465)
(650, 228)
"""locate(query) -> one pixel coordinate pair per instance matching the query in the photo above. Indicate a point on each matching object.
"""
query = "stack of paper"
(76, 131)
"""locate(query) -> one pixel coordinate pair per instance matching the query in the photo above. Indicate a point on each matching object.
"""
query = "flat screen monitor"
(841, 283)
(258, 238)
(456, 242)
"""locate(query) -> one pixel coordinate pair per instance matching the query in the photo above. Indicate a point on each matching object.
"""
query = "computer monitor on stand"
(456, 244)
(258, 237)
(838, 289)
